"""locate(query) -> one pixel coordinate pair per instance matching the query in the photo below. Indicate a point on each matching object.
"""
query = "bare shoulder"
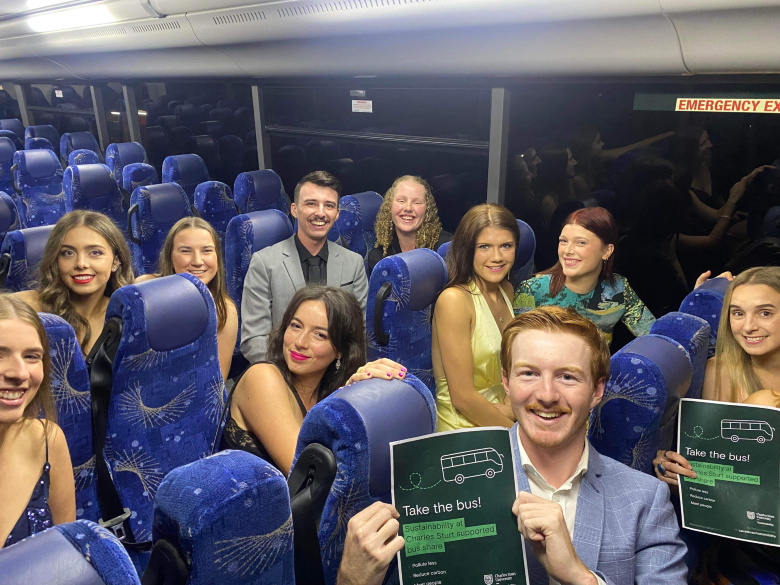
(231, 307)
(764, 398)
(506, 286)
(260, 379)
(454, 302)
(31, 297)
(145, 277)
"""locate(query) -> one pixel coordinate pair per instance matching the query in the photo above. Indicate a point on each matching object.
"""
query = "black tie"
(315, 270)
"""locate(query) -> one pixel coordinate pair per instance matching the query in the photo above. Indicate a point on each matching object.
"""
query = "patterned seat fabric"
(70, 387)
(71, 141)
(153, 211)
(260, 190)
(646, 380)
(77, 553)
(706, 303)
(21, 253)
(38, 143)
(46, 131)
(121, 154)
(7, 150)
(167, 392)
(230, 516)
(214, 202)
(369, 202)
(693, 333)
(186, 170)
(9, 217)
(92, 187)
(13, 137)
(353, 424)
(350, 225)
(137, 175)
(83, 156)
(416, 278)
(13, 125)
(38, 175)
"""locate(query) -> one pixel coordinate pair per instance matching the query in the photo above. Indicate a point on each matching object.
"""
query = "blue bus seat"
(71, 141)
(46, 131)
(92, 187)
(214, 203)
(38, 177)
(260, 190)
(83, 156)
(20, 255)
(706, 302)
(693, 333)
(186, 170)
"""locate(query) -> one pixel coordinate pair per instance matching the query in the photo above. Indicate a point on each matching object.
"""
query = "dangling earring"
(338, 363)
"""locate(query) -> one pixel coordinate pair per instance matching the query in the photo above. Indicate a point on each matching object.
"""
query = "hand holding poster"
(454, 493)
(734, 450)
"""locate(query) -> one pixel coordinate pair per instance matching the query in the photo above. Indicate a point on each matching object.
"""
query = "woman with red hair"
(583, 277)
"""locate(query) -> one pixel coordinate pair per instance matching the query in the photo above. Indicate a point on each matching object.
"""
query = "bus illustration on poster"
(746, 430)
(459, 467)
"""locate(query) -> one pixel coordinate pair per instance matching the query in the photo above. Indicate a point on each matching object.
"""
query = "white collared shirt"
(566, 495)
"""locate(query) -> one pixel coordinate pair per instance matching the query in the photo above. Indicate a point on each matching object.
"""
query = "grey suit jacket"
(625, 529)
(275, 275)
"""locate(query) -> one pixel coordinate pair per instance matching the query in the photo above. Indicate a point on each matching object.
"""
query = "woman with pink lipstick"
(319, 346)
(192, 246)
(469, 317)
(583, 278)
(407, 219)
(39, 492)
(85, 260)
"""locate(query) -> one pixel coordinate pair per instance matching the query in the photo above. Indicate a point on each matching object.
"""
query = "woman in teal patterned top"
(583, 279)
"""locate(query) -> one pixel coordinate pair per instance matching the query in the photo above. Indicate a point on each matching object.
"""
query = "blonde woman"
(407, 219)
(192, 246)
(85, 260)
(36, 488)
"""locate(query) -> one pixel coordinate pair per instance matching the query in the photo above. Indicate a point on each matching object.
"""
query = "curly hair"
(54, 295)
(429, 231)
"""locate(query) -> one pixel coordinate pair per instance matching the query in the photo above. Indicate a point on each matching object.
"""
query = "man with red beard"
(586, 518)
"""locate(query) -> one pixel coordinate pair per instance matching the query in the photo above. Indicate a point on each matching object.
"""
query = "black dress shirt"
(315, 268)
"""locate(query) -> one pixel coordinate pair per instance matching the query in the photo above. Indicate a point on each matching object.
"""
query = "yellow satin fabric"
(486, 352)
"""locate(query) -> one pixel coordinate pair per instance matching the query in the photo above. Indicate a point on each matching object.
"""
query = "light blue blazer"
(625, 530)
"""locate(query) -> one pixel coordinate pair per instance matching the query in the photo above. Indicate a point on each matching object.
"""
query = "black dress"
(375, 254)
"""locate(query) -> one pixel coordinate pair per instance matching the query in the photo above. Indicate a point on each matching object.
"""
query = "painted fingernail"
(389, 375)
(369, 374)
(402, 374)
(403, 369)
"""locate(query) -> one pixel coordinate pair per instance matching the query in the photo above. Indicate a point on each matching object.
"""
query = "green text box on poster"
(735, 451)
(454, 492)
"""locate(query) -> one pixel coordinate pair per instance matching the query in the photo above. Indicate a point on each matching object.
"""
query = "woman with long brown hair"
(36, 487)
(192, 246)
(469, 317)
(85, 260)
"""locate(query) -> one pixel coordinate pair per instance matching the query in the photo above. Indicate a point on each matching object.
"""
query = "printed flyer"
(454, 492)
(735, 452)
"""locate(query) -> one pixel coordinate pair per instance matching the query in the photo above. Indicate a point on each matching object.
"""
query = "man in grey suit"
(586, 518)
(276, 272)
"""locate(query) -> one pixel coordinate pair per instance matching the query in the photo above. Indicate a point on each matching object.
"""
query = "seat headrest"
(191, 167)
(37, 164)
(38, 143)
(14, 125)
(715, 286)
(124, 153)
(526, 245)
(138, 175)
(43, 131)
(204, 144)
(7, 149)
(167, 300)
(35, 239)
(268, 227)
(370, 202)
(77, 140)
(264, 186)
(95, 180)
(427, 276)
(15, 140)
(168, 202)
(8, 214)
(83, 156)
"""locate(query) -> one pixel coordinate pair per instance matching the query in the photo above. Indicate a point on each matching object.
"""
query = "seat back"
(92, 187)
(214, 203)
(38, 143)
(83, 156)
(241, 503)
(71, 141)
(7, 150)
(70, 387)
(186, 170)
(77, 553)
(260, 190)
(353, 424)
(153, 211)
(693, 333)
(13, 125)
(647, 378)
(137, 175)
(166, 389)
(121, 154)
(18, 141)
(350, 226)
(706, 302)
(46, 131)
(401, 292)
(370, 202)
(20, 254)
(38, 176)
(9, 217)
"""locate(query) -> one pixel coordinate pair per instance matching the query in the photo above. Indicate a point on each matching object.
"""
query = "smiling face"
(21, 368)
(754, 316)
(581, 252)
(550, 387)
(194, 251)
(307, 346)
(408, 209)
(494, 254)
(316, 211)
(85, 261)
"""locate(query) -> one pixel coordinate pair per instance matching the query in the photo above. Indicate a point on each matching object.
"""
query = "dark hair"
(345, 328)
(460, 257)
(684, 149)
(599, 221)
(581, 147)
(551, 175)
(321, 179)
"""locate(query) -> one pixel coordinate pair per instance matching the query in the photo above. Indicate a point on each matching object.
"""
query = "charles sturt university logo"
(488, 579)
(751, 515)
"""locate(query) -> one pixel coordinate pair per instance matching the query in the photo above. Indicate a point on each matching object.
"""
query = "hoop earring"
(338, 364)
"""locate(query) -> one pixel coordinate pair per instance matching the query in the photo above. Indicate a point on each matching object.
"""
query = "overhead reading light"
(74, 18)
